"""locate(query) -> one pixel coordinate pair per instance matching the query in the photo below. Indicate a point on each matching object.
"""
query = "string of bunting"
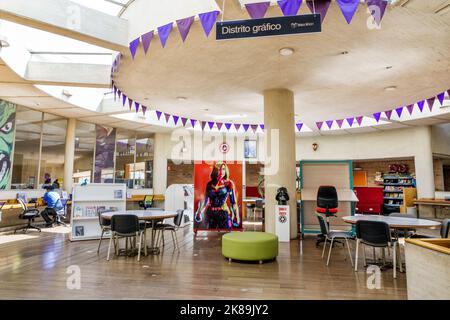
(351, 121)
(257, 10)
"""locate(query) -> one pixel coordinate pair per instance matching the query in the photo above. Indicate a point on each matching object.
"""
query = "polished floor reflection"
(36, 267)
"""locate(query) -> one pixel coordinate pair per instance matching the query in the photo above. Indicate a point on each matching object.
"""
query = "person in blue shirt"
(54, 205)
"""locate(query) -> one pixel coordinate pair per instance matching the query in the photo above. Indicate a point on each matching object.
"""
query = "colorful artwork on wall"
(104, 154)
(7, 126)
(217, 197)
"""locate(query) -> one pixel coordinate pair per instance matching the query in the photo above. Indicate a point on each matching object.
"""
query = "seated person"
(54, 205)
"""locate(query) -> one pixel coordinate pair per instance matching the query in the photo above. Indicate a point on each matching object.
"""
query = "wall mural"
(218, 201)
(7, 126)
(104, 154)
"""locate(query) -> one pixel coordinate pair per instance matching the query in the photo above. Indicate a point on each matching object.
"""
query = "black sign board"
(278, 26)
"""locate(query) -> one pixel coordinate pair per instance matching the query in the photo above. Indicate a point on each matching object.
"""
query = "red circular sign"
(224, 147)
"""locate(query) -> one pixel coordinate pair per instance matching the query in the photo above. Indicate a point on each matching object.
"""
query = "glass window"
(26, 149)
(53, 150)
(84, 152)
(125, 158)
(144, 162)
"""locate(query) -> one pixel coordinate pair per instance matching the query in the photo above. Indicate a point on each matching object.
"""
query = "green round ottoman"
(250, 246)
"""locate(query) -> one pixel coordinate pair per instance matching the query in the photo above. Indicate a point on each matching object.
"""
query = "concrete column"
(160, 165)
(69, 157)
(423, 162)
(280, 168)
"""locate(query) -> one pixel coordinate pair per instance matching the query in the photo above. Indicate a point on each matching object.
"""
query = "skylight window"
(111, 7)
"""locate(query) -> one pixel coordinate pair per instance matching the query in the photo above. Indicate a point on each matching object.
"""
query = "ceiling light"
(390, 88)
(388, 67)
(344, 52)
(286, 51)
(4, 43)
(181, 98)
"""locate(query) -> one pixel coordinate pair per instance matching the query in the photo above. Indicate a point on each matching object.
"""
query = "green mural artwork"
(7, 124)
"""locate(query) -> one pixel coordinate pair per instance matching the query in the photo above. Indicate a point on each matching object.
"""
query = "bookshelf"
(88, 202)
(399, 191)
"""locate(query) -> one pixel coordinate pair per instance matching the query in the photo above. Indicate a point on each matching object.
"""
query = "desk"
(147, 216)
(428, 208)
(395, 222)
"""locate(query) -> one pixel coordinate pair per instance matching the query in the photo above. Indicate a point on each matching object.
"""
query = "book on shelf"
(79, 231)
(77, 212)
(91, 211)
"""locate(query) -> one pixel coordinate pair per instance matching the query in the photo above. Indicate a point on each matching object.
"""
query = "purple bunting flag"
(237, 126)
(219, 125)
(119, 94)
(340, 123)
(124, 99)
(184, 121)
(410, 109)
(133, 46)
(290, 7)
(167, 116)
(208, 20)
(228, 126)
(377, 116)
(175, 119)
(262, 127)
(421, 104)
(399, 111)
(210, 125)
(158, 114)
(299, 126)
(329, 123)
(348, 8)
(246, 126)
(193, 122)
(254, 127)
(431, 102)
(359, 120)
(203, 124)
(388, 114)
(184, 26)
(257, 10)
(319, 125)
(146, 39)
(319, 6)
(137, 106)
(377, 8)
(350, 121)
(164, 32)
(115, 93)
(130, 103)
(441, 97)
(144, 110)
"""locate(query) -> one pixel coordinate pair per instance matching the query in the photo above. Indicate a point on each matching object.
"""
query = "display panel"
(218, 201)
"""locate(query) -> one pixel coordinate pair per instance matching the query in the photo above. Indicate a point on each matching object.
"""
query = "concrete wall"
(441, 139)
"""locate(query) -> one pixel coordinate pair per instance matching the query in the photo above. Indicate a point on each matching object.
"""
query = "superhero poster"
(217, 197)
(7, 125)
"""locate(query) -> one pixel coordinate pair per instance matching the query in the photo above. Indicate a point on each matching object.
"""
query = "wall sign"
(224, 148)
(266, 27)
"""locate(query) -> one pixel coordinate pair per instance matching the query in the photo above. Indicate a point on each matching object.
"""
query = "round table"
(149, 215)
(395, 222)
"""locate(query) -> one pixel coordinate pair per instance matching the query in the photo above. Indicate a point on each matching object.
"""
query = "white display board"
(282, 227)
(91, 200)
(180, 197)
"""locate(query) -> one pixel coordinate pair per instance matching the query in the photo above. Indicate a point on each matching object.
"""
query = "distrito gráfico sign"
(268, 27)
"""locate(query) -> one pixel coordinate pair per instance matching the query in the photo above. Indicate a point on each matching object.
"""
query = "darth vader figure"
(282, 196)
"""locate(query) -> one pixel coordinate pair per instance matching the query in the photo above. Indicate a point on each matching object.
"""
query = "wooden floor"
(34, 266)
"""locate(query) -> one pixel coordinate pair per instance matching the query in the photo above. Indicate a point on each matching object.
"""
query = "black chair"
(162, 227)
(376, 234)
(147, 202)
(331, 236)
(127, 226)
(327, 204)
(105, 225)
(29, 215)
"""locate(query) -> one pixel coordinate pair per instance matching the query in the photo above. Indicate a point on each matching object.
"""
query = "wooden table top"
(395, 222)
(146, 215)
